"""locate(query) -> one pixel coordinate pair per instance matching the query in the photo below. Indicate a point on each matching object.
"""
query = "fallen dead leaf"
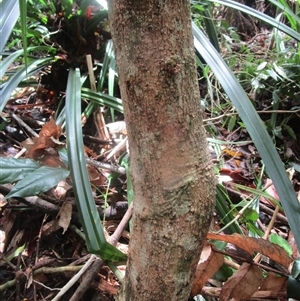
(50, 129)
(252, 244)
(274, 282)
(65, 214)
(242, 284)
(208, 265)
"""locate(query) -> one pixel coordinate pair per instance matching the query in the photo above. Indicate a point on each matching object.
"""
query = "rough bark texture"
(173, 180)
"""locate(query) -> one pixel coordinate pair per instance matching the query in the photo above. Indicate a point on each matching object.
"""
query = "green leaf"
(13, 255)
(261, 16)
(210, 28)
(4, 65)
(9, 16)
(255, 128)
(67, 7)
(20, 75)
(284, 6)
(296, 269)
(278, 240)
(13, 170)
(290, 131)
(109, 53)
(250, 214)
(231, 123)
(280, 71)
(91, 223)
(261, 66)
(293, 288)
(103, 99)
(226, 215)
(40, 180)
(23, 17)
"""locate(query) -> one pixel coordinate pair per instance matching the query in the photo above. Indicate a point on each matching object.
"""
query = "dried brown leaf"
(37, 147)
(252, 244)
(242, 284)
(208, 265)
(50, 129)
(274, 282)
(50, 227)
(65, 214)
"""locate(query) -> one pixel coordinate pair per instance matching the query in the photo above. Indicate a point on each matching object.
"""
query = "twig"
(114, 238)
(87, 280)
(98, 116)
(267, 268)
(75, 278)
(24, 125)
(206, 120)
(37, 252)
(270, 211)
(266, 234)
(107, 166)
(216, 291)
(33, 201)
(118, 147)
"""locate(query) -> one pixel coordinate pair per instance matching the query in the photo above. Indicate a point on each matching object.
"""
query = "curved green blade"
(89, 216)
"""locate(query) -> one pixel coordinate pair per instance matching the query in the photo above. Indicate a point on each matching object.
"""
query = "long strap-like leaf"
(89, 216)
(255, 128)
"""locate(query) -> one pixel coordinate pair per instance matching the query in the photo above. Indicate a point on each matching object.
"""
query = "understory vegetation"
(66, 192)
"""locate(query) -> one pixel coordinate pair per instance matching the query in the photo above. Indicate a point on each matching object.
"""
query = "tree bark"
(173, 179)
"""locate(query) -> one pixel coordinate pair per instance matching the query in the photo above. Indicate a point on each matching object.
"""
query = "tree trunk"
(173, 179)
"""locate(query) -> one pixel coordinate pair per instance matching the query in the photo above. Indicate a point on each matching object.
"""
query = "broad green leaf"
(290, 131)
(40, 180)
(273, 74)
(231, 123)
(210, 28)
(250, 214)
(278, 240)
(67, 7)
(13, 170)
(255, 128)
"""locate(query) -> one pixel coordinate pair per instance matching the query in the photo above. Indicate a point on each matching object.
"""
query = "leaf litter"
(50, 243)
